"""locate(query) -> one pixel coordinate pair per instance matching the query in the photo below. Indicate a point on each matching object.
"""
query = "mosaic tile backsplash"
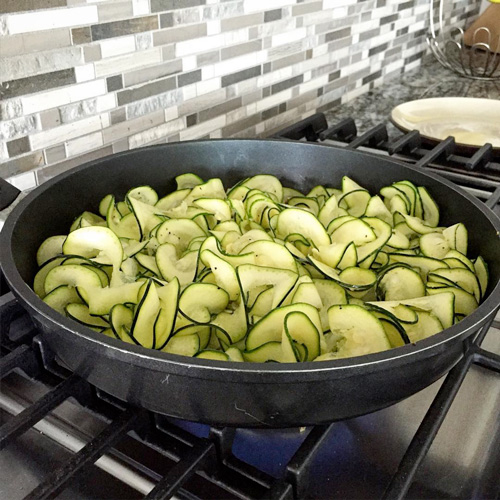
(81, 79)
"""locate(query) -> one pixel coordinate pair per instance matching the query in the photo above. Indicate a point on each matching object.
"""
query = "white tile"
(117, 46)
(207, 43)
(313, 84)
(207, 72)
(203, 128)
(65, 132)
(258, 5)
(140, 7)
(39, 20)
(84, 144)
(84, 73)
(207, 86)
(23, 181)
(330, 4)
(235, 64)
(127, 62)
(106, 102)
(171, 113)
(288, 37)
(188, 63)
(213, 27)
(59, 97)
(188, 92)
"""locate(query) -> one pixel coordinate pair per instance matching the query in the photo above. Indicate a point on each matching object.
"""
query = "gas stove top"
(62, 437)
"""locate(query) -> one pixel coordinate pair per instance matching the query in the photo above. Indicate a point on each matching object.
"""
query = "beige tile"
(55, 154)
(65, 132)
(51, 19)
(234, 23)
(117, 46)
(84, 144)
(34, 42)
(202, 129)
(154, 134)
(127, 62)
(92, 53)
(125, 129)
(111, 11)
(173, 35)
(50, 119)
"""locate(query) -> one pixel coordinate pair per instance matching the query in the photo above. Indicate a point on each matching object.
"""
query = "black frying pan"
(242, 394)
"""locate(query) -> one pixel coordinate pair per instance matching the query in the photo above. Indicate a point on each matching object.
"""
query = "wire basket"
(479, 60)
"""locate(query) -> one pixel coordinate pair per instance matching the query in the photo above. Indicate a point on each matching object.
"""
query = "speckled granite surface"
(429, 80)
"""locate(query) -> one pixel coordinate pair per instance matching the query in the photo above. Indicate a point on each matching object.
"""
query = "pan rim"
(251, 372)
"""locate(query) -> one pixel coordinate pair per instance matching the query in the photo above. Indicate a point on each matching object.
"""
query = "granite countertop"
(428, 80)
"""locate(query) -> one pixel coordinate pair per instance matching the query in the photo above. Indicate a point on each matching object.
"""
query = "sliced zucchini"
(183, 345)
(481, 269)
(39, 281)
(188, 181)
(200, 301)
(170, 266)
(50, 248)
(456, 237)
(81, 314)
(143, 326)
(72, 275)
(270, 327)
(301, 329)
(101, 300)
(268, 352)
(462, 277)
(360, 331)
(434, 245)
(399, 283)
(465, 303)
(429, 206)
(60, 297)
(293, 220)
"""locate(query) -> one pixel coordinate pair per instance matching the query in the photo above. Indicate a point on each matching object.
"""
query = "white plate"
(472, 122)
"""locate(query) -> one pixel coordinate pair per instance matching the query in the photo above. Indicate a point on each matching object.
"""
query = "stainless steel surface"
(480, 60)
(359, 458)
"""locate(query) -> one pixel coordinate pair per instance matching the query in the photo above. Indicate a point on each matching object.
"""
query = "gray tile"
(286, 84)
(11, 6)
(118, 115)
(388, 19)
(46, 173)
(21, 164)
(288, 60)
(168, 52)
(147, 90)
(191, 120)
(31, 84)
(188, 78)
(159, 5)
(125, 27)
(179, 34)
(273, 15)
(50, 119)
(18, 146)
(152, 73)
(251, 97)
(220, 109)
(81, 35)
(208, 58)
(114, 83)
(92, 53)
(166, 20)
(366, 35)
(240, 76)
(55, 154)
(269, 113)
(370, 78)
(241, 49)
(336, 35)
(377, 49)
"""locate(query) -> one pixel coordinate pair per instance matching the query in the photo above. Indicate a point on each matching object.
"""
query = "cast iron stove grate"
(187, 464)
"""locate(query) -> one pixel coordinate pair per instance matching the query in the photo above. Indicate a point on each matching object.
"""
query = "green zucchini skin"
(263, 272)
